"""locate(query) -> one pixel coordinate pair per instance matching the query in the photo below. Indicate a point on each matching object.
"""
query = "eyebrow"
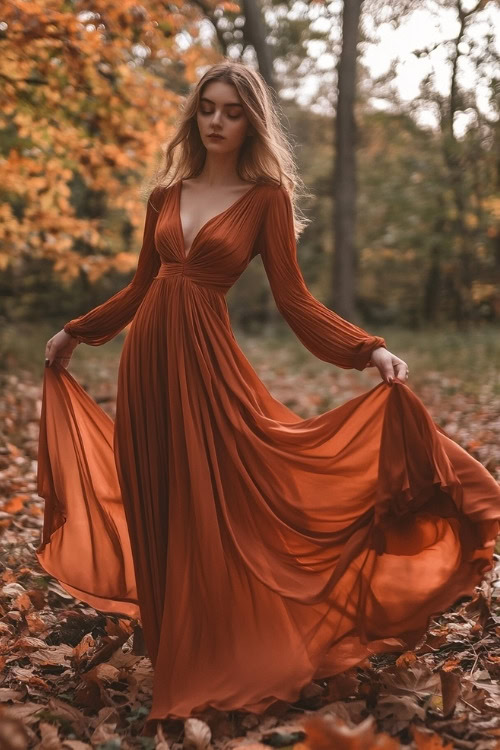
(227, 104)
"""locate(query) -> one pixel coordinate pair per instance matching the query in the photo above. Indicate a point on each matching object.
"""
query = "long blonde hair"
(265, 157)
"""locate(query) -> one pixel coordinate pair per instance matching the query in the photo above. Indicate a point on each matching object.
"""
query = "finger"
(402, 371)
(388, 373)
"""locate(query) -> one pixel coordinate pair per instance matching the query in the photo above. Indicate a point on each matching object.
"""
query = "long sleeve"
(106, 320)
(323, 332)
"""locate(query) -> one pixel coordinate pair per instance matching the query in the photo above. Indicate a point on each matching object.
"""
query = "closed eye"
(231, 117)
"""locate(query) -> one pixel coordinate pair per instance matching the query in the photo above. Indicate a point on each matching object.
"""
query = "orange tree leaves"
(89, 92)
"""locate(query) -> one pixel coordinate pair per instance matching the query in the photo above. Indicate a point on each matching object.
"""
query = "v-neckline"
(209, 221)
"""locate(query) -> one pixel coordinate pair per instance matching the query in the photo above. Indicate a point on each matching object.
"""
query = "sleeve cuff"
(67, 329)
(362, 358)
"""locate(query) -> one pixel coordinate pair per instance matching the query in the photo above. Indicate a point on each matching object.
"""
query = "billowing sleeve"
(106, 320)
(323, 332)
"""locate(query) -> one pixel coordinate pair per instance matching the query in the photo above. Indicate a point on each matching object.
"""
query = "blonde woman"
(258, 549)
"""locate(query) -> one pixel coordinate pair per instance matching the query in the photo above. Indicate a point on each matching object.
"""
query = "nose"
(216, 118)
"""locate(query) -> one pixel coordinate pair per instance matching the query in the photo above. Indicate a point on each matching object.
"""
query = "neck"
(220, 170)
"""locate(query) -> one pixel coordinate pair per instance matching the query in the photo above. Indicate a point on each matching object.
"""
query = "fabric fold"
(322, 331)
(85, 541)
(258, 549)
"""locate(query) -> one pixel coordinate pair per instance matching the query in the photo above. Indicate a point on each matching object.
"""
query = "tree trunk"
(254, 32)
(345, 183)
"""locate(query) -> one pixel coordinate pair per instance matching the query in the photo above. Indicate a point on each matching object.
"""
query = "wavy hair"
(266, 156)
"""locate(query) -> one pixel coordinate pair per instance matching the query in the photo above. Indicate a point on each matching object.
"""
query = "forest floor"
(74, 678)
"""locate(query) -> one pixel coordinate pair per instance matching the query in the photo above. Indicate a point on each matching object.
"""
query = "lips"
(216, 137)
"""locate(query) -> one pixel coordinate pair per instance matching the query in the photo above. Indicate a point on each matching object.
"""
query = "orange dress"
(259, 549)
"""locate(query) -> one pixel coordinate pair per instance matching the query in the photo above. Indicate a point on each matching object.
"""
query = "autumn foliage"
(89, 92)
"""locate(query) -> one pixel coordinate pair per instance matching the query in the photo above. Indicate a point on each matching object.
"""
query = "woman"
(260, 550)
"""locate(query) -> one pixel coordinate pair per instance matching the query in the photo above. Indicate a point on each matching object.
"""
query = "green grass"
(466, 358)
(22, 350)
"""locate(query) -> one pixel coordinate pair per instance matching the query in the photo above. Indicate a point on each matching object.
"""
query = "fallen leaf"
(407, 658)
(428, 740)
(450, 690)
(197, 734)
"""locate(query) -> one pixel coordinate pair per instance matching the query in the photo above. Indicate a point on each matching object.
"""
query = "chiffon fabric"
(259, 550)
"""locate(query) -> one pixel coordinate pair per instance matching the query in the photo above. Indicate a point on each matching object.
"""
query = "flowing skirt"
(258, 549)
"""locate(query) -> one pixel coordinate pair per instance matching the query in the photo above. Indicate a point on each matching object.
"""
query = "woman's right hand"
(60, 348)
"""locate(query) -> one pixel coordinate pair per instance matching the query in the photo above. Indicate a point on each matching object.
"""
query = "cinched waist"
(169, 269)
(197, 275)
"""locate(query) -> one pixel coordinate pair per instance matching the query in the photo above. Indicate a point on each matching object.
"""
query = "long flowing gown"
(259, 550)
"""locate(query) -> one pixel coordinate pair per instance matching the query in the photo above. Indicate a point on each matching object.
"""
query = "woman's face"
(220, 111)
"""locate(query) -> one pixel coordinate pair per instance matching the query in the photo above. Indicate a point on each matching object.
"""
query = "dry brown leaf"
(351, 712)
(102, 673)
(22, 674)
(15, 504)
(82, 648)
(416, 680)
(88, 694)
(160, 739)
(50, 737)
(428, 740)
(38, 682)
(8, 694)
(13, 735)
(52, 655)
(38, 598)
(331, 732)
(122, 627)
(407, 658)
(104, 733)
(69, 714)
(451, 664)
(26, 712)
(12, 589)
(450, 690)
(25, 643)
(342, 685)
(402, 707)
(480, 607)
(23, 602)
(35, 623)
(312, 690)
(8, 576)
(197, 734)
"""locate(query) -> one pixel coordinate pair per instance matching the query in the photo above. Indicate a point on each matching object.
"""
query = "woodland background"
(404, 215)
(404, 239)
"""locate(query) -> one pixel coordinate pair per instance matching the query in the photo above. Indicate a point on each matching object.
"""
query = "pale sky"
(395, 46)
(391, 47)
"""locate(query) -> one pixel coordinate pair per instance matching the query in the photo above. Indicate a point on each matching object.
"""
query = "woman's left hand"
(389, 366)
